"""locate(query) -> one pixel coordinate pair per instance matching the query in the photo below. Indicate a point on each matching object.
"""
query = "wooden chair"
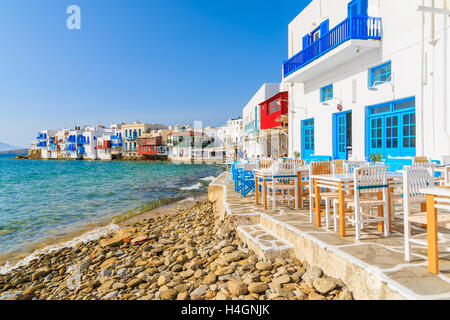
(318, 168)
(413, 180)
(285, 189)
(370, 191)
(350, 166)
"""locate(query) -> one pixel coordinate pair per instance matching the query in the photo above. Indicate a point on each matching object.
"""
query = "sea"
(45, 202)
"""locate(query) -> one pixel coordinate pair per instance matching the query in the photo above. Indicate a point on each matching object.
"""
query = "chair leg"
(327, 214)
(358, 222)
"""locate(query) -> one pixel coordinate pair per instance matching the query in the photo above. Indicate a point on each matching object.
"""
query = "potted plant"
(297, 154)
(376, 157)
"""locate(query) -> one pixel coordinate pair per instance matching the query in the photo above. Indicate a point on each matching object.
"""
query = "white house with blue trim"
(256, 144)
(367, 76)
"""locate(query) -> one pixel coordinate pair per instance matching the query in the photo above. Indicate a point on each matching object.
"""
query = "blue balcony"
(71, 147)
(131, 137)
(71, 139)
(42, 144)
(354, 27)
(41, 136)
(82, 140)
(116, 142)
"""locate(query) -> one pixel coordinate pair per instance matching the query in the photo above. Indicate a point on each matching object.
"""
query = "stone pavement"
(373, 268)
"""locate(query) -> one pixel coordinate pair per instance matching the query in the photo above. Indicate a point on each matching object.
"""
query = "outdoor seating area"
(347, 198)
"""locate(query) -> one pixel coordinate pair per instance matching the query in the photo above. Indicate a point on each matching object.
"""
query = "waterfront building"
(188, 145)
(256, 143)
(44, 139)
(368, 76)
(274, 125)
(74, 144)
(234, 137)
(131, 132)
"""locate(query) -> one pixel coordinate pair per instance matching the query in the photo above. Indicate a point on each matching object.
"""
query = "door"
(307, 138)
(392, 143)
(342, 135)
(376, 135)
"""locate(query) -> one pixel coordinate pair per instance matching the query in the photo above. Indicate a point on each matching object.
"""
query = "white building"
(367, 76)
(44, 140)
(255, 144)
(234, 137)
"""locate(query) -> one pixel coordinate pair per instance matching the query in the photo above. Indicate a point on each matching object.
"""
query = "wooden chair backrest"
(421, 160)
(370, 179)
(350, 166)
(415, 179)
(321, 167)
(284, 168)
(264, 164)
(300, 162)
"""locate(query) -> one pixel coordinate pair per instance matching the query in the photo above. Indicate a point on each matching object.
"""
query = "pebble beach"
(177, 252)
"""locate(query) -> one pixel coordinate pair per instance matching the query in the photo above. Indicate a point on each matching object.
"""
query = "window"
(380, 74)
(392, 128)
(139, 132)
(326, 93)
(274, 106)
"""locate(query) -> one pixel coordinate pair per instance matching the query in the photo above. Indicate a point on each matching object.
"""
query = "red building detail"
(272, 109)
(149, 145)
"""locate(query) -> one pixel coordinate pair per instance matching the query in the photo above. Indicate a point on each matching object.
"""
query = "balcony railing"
(42, 144)
(41, 136)
(354, 27)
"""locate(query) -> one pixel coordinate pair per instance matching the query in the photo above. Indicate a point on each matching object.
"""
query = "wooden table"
(342, 183)
(432, 225)
(266, 174)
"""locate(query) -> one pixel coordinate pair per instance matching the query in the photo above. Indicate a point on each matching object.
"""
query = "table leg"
(256, 190)
(317, 193)
(433, 258)
(265, 193)
(299, 189)
(423, 208)
(380, 212)
(341, 210)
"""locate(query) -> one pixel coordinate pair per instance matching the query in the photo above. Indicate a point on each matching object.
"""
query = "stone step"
(264, 243)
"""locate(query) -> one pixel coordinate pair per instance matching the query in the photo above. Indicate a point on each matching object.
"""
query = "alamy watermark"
(73, 22)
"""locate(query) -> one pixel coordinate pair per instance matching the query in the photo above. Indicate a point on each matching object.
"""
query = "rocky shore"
(189, 255)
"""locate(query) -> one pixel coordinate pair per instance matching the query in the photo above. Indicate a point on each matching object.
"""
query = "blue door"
(307, 139)
(358, 7)
(392, 129)
(342, 135)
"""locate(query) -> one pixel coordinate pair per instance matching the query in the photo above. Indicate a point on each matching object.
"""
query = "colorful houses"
(255, 142)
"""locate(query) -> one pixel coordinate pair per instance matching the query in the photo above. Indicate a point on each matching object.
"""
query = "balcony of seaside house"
(324, 48)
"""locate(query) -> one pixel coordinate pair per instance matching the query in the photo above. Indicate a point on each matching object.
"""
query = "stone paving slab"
(375, 261)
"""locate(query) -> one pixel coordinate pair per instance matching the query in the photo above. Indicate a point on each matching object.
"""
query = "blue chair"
(247, 182)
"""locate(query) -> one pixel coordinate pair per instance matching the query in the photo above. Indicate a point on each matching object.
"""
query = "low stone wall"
(365, 284)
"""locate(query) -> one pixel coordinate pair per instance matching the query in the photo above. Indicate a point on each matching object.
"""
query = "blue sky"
(163, 61)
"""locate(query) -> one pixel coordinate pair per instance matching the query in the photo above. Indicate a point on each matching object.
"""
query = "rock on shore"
(187, 256)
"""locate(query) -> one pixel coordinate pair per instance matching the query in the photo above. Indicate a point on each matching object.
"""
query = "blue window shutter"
(364, 7)
(324, 27)
(305, 41)
(369, 78)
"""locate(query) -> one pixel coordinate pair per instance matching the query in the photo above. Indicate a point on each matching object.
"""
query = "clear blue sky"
(164, 61)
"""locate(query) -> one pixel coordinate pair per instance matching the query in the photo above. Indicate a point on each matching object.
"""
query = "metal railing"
(354, 27)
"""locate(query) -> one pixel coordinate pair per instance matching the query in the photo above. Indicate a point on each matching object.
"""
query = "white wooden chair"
(368, 181)
(285, 189)
(350, 166)
(413, 180)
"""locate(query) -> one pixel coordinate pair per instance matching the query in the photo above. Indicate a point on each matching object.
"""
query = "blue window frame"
(342, 134)
(380, 74)
(308, 146)
(140, 132)
(326, 93)
(391, 128)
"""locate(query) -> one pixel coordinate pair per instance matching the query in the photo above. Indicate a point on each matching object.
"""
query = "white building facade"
(255, 144)
(368, 76)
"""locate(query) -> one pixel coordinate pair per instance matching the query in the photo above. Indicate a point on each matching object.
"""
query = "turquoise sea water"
(41, 200)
